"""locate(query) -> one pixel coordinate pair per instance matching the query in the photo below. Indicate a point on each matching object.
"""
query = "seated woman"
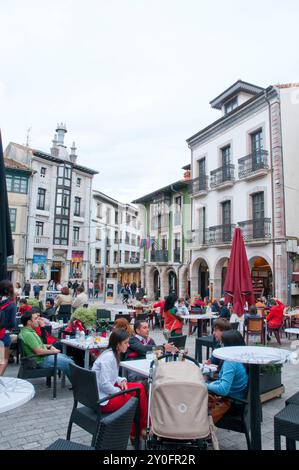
(232, 381)
(23, 306)
(173, 322)
(106, 368)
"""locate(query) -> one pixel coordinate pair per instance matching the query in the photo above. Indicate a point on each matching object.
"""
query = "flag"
(6, 244)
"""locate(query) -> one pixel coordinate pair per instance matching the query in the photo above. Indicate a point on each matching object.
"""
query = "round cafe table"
(254, 356)
(14, 392)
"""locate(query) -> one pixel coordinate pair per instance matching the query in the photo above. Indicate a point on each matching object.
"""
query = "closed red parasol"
(238, 286)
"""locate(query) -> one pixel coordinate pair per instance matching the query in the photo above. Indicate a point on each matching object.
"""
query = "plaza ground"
(42, 420)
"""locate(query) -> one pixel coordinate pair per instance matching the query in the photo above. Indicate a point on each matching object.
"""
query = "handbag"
(218, 406)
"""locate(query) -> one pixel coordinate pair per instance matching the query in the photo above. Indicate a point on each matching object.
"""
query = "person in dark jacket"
(36, 290)
(50, 311)
(141, 343)
(8, 310)
(27, 288)
(224, 311)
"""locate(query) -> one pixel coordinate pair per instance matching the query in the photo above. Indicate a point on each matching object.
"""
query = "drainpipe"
(272, 191)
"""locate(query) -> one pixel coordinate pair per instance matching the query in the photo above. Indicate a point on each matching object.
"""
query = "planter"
(270, 379)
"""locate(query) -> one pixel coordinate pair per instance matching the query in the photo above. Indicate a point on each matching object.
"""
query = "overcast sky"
(133, 79)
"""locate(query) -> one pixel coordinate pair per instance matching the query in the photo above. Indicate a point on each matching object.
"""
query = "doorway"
(56, 271)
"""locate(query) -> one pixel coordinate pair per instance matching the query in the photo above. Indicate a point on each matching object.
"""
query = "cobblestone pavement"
(41, 421)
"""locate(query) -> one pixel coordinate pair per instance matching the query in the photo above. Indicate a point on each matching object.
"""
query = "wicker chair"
(85, 391)
(26, 371)
(286, 423)
(293, 400)
(112, 433)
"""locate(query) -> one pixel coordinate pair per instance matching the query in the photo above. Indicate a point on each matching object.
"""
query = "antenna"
(27, 136)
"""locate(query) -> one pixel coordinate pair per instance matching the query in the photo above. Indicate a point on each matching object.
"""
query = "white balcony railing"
(41, 240)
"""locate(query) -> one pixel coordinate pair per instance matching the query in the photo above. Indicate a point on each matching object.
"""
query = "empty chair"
(103, 314)
(208, 342)
(123, 315)
(255, 327)
(112, 434)
(142, 316)
(286, 423)
(235, 325)
(85, 392)
(178, 341)
(29, 370)
(64, 313)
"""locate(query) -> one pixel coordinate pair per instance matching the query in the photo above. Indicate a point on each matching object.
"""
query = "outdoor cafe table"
(254, 356)
(85, 346)
(199, 317)
(14, 392)
(292, 331)
(142, 366)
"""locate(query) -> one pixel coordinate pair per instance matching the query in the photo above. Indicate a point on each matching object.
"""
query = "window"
(64, 173)
(116, 217)
(257, 144)
(76, 233)
(133, 240)
(41, 199)
(77, 206)
(230, 105)
(128, 219)
(108, 215)
(178, 204)
(98, 234)
(116, 237)
(107, 257)
(43, 171)
(98, 255)
(127, 256)
(39, 228)
(63, 201)
(127, 239)
(226, 220)
(17, 184)
(258, 214)
(61, 231)
(115, 258)
(13, 219)
(99, 210)
(78, 182)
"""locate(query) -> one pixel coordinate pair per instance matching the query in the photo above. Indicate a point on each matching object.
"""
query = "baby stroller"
(178, 406)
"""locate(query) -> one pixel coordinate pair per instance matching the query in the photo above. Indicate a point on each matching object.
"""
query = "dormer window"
(230, 105)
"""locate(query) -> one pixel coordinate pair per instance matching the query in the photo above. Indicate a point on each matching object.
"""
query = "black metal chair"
(235, 325)
(85, 392)
(208, 342)
(293, 400)
(123, 315)
(112, 434)
(28, 369)
(237, 419)
(142, 316)
(178, 341)
(103, 314)
(286, 423)
(64, 313)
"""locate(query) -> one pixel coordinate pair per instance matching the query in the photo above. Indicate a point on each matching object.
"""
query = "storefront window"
(76, 271)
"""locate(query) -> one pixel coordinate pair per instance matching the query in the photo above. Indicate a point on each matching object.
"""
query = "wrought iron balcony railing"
(177, 255)
(222, 175)
(256, 229)
(253, 163)
(160, 256)
(219, 234)
(200, 184)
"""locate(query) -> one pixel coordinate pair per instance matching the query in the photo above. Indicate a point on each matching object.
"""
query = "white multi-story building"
(115, 235)
(245, 170)
(58, 214)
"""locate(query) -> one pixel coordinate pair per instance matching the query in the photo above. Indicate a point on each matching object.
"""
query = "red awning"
(295, 277)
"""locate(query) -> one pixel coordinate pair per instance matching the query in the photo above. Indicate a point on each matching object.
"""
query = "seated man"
(23, 306)
(141, 343)
(34, 345)
(219, 327)
(49, 312)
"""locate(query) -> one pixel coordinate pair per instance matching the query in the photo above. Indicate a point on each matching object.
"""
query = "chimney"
(54, 149)
(61, 131)
(73, 154)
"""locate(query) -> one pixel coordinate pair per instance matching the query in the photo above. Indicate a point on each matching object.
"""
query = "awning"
(295, 276)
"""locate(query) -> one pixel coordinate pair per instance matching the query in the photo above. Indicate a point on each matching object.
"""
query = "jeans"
(63, 363)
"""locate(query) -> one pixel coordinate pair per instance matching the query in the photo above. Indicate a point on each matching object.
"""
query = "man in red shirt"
(23, 306)
(159, 316)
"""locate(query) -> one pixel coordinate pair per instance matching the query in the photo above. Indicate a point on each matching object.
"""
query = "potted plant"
(270, 377)
(88, 316)
(33, 302)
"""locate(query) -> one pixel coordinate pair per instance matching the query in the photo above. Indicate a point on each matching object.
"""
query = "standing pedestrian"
(36, 290)
(27, 288)
(90, 289)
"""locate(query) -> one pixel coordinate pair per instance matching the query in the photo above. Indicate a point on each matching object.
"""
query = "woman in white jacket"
(106, 368)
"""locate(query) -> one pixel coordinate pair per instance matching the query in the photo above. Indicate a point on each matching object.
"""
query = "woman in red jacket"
(173, 322)
(275, 316)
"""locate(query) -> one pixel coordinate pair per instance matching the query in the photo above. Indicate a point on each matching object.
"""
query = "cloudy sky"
(133, 79)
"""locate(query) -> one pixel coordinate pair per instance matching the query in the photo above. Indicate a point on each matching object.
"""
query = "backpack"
(3, 317)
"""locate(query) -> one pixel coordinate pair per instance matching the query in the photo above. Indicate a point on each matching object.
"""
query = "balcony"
(160, 221)
(177, 218)
(41, 240)
(196, 238)
(256, 229)
(254, 165)
(219, 234)
(159, 256)
(134, 260)
(79, 243)
(223, 177)
(200, 185)
(177, 255)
